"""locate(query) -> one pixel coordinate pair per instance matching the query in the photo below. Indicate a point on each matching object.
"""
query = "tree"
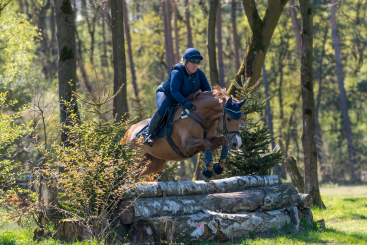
(168, 35)
(297, 34)
(177, 54)
(220, 46)
(308, 105)
(67, 61)
(354, 173)
(119, 59)
(131, 60)
(188, 25)
(235, 37)
(261, 33)
(214, 76)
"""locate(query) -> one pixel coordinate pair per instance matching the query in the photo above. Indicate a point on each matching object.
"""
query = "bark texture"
(208, 226)
(177, 53)
(184, 188)
(119, 59)
(168, 35)
(308, 106)
(292, 169)
(214, 75)
(261, 33)
(129, 50)
(266, 198)
(220, 45)
(67, 60)
(354, 173)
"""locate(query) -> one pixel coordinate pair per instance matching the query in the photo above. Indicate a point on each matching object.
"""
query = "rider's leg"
(153, 124)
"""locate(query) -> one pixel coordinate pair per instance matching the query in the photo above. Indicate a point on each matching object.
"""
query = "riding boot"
(153, 124)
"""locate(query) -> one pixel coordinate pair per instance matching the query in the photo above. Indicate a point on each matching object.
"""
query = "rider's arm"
(203, 81)
(175, 86)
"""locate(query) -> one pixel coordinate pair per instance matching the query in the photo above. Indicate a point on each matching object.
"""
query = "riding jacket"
(178, 86)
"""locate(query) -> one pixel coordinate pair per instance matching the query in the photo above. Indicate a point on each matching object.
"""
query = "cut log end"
(305, 201)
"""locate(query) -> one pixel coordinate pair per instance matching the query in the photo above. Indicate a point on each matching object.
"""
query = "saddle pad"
(165, 126)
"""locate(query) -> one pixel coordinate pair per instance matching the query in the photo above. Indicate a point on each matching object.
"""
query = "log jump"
(219, 210)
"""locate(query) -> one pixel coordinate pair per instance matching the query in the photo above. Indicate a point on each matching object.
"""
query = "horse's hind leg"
(155, 165)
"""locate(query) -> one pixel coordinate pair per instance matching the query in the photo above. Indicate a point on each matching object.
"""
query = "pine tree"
(254, 156)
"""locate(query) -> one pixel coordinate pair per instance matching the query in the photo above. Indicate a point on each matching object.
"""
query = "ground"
(345, 219)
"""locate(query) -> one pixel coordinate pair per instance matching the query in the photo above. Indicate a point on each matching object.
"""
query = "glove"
(188, 104)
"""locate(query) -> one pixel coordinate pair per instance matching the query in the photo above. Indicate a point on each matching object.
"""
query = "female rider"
(185, 79)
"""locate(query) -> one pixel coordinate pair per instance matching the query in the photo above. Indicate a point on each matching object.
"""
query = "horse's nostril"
(234, 144)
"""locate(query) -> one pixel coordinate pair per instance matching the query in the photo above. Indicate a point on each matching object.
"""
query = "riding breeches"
(163, 100)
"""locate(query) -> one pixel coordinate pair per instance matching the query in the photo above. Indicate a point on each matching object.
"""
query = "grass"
(345, 219)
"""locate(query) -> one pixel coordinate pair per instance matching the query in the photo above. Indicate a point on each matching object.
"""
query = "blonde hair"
(183, 61)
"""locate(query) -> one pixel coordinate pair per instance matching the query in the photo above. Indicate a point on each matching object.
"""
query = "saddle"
(165, 128)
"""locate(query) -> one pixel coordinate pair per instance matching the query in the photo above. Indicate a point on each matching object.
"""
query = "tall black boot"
(153, 124)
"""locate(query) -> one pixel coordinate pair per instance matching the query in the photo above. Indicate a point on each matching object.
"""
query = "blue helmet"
(192, 55)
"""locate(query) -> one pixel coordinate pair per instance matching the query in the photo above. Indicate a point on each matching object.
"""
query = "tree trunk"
(220, 45)
(296, 177)
(54, 52)
(188, 25)
(266, 198)
(130, 52)
(214, 76)
(207, 226)
(295, 27)
(177, 57)
(268, 115)
(168, 35)
(235, 37)
(308, 106)
(319, 141)
(67, 61)
(184, 188)
(261, 33)
(355, 175)
(119, 59)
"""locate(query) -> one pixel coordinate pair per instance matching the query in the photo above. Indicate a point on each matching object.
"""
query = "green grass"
(345, 219)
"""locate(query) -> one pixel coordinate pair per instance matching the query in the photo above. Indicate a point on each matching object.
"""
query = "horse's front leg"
(216, 142)
(202, 144)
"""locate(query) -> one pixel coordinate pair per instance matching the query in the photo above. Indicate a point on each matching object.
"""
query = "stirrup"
(149, 141)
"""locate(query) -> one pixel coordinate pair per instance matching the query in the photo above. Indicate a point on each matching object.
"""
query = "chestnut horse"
(188, 135)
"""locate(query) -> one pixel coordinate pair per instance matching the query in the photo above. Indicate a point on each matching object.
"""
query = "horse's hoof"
(206, 174)
(218, 170)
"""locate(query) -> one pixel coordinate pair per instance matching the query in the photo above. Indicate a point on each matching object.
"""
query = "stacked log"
(220, 210)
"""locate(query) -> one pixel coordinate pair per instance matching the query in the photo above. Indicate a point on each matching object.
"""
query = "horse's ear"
(229, 101)
(241, 103)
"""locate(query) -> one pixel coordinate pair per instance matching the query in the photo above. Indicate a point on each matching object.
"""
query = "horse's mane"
(218, 93)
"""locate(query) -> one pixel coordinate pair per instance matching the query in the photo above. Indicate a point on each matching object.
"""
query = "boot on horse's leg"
(207, 172)
(153, 124)
(218, 167)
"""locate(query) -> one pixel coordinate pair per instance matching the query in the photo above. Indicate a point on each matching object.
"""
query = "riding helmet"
(192, 55)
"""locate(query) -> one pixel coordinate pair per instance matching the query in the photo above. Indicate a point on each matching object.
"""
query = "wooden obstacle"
(219, 210)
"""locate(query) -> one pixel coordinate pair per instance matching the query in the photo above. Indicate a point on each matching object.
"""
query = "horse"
(193, 134)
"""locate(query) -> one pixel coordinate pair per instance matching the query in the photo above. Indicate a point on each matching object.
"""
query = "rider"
(185, 79)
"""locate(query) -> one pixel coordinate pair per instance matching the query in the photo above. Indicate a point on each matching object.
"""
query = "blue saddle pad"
(165, 126)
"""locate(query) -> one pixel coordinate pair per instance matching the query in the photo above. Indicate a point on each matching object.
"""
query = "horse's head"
(230, 123)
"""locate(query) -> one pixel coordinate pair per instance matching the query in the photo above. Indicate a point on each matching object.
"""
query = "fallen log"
(266, 198)
(185, 188)
(207, 226)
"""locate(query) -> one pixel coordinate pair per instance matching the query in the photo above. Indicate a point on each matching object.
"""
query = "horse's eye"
(228, 119)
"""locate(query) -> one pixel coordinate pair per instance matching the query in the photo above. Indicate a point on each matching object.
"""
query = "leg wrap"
(224, 153)
(208, 157)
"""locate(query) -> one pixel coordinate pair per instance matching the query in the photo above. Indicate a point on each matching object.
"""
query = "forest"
(100, 62)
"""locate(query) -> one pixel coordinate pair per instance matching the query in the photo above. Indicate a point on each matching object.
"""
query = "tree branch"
(252, 14)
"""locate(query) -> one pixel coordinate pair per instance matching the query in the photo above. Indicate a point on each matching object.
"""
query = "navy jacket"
(180, 84)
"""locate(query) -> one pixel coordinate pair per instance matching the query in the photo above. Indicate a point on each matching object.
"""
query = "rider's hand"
(188, 104)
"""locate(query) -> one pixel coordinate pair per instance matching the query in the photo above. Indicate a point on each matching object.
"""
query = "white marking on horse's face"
(235, 143)
(239, 142)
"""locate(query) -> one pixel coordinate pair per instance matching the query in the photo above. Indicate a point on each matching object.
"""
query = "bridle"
(224, 132)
